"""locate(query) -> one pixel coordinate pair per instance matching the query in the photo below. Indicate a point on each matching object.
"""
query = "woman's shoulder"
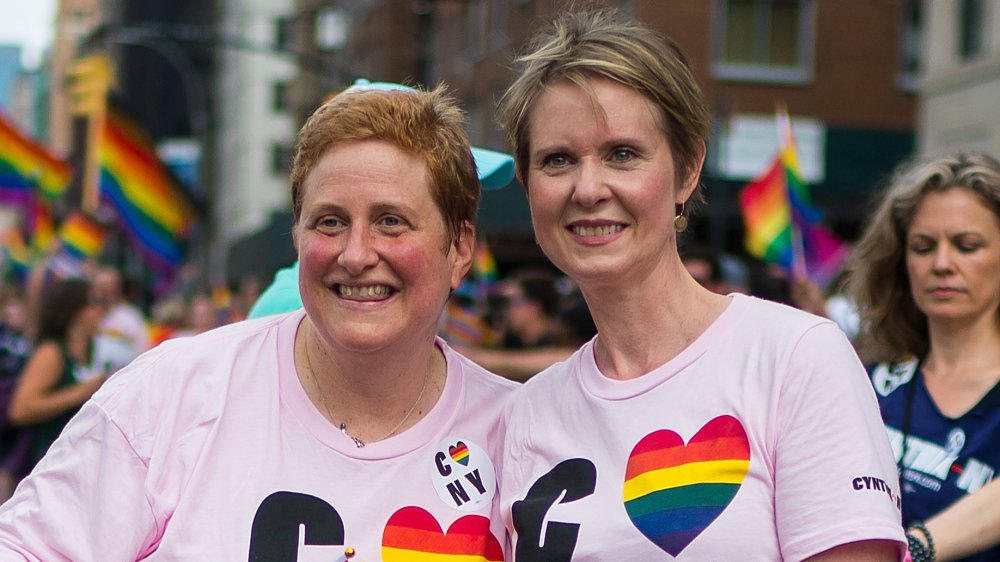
(556, 376)
(777, 315)
(194, 381)
(199, 363)
(475, 374)
(785, 326)
(49, 352)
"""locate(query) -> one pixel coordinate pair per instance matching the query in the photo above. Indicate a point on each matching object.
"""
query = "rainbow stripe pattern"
(464, 325)
(41, 226)
(673, 491)
(18, 256)
(413, 535)
(152, 208)
(484, 265)
(459, 453)
(26, 166)
(777, 209)
(81, 235)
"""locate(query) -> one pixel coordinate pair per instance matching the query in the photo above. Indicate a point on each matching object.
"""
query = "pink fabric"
(208, 444)
(764, 382)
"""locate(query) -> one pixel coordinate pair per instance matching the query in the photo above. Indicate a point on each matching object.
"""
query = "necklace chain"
(358, 442)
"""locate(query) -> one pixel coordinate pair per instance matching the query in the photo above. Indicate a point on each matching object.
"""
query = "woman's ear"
(463, 249)
(693, 175)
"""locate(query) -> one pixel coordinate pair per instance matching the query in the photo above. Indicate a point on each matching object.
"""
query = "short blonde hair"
(581, 45)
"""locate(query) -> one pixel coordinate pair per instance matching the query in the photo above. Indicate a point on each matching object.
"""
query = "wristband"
(919, 551)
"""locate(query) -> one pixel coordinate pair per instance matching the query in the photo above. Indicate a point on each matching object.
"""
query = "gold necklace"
(358, 442)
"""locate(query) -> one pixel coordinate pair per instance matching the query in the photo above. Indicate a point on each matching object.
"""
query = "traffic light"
(89, 80)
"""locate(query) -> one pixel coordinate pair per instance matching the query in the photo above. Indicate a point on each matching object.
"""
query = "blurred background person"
(124, 331)
(247, 292)
(833, 303)
(704, 266)
(969, 526)
(59, 376)
(530, 306)
(200, 315)
(15, 348)
(539, 320)
(926, 278)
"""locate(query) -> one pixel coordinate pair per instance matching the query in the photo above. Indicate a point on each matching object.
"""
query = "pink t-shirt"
(759, 441)
(208, 448)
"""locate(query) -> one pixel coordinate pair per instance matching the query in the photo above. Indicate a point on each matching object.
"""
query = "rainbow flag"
(782, 224)
(152, 208)
(26, 166)
(484, 266)
(17, 256)
(81, 235)
(40, 226)
(80, 239)
(466, 325)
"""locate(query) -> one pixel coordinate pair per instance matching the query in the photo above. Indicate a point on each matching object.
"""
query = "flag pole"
(90, 80)
(799, 268)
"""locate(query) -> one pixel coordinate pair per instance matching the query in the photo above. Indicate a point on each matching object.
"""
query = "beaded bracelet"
(920, 552)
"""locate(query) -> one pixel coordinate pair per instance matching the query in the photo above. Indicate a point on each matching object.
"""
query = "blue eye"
(328, 222)
(557, 160)
(622, 154)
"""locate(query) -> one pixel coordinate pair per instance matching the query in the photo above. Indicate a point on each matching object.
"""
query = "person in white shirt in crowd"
(124, 331)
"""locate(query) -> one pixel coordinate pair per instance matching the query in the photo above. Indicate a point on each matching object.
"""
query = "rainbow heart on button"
(459, 453)
(412, 534)
(673, 491)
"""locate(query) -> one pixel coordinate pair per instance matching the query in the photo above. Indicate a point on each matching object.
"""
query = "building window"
(764, 40)
(281, 159)
(332, 29)
(972, 29)
(279, 96)
(284, 34)
(910, 39)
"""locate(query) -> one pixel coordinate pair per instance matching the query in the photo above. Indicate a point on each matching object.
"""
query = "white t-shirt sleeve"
(835, 481)
(85, 501)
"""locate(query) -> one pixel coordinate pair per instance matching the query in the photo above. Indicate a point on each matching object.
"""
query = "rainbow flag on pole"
(26, 166)
(81, 235)
(80, 239)
(152, 208)
(484, 265)
(782, 224)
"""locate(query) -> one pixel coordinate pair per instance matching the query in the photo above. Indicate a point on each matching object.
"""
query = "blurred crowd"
(61, 338)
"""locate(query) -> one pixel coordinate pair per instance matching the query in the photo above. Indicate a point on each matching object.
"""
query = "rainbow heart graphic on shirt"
(674, 491)
(459, 453)
(413, 535)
